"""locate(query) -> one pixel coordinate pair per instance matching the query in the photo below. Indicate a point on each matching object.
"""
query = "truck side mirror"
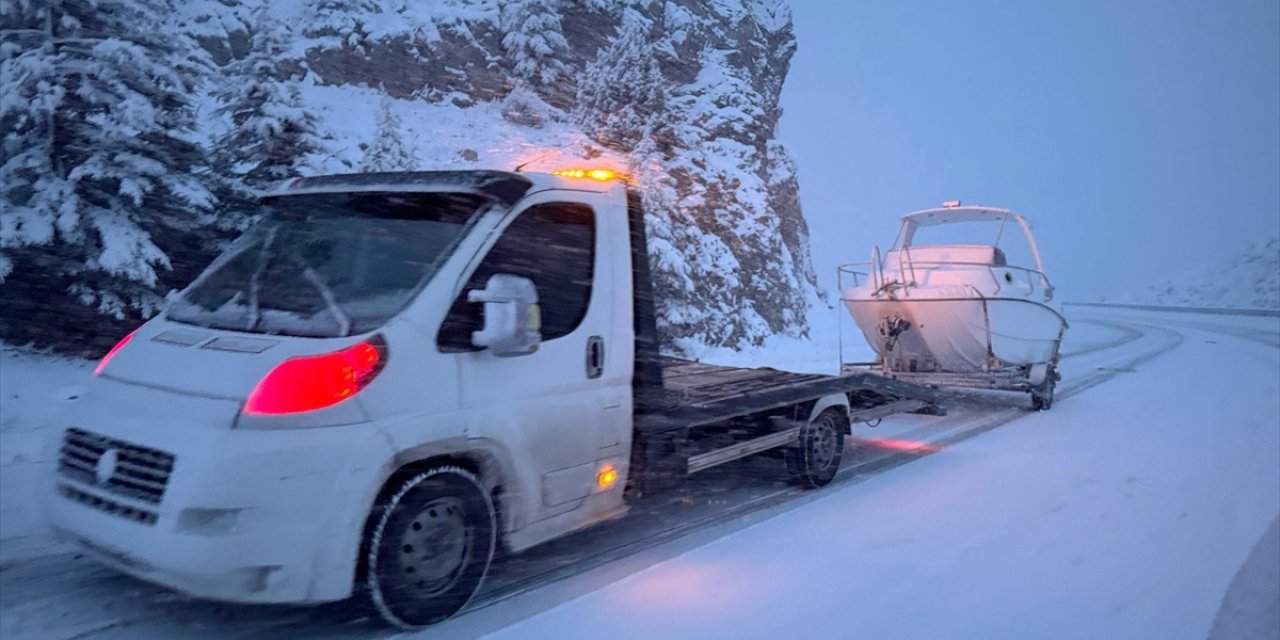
(512, 318)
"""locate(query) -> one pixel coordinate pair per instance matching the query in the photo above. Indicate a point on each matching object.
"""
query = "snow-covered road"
(1127, 511)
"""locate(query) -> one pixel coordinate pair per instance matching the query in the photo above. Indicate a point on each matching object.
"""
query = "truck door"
(552, 409)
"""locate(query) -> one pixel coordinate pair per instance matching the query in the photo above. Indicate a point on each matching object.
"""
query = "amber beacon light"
(594, 174)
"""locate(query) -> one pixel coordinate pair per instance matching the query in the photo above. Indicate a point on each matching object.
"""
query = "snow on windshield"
(327, 265)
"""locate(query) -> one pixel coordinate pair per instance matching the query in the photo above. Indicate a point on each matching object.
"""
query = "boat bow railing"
(874, 269)
(860, 272)
(1035, 279)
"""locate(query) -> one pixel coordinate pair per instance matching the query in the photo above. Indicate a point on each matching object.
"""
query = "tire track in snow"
(1260, 336)
(1171, 339)
(1128, 334)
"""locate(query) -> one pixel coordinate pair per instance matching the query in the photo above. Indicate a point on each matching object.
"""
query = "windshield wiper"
(326, 294)
(255, 314)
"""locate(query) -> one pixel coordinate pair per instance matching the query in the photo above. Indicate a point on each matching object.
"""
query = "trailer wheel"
(815, 459)
(1042, 397)
(430, 547)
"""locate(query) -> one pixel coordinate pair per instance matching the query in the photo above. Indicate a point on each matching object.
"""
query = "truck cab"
(388, 374)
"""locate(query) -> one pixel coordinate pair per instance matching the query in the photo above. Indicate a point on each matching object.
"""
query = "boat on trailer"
(941, 308)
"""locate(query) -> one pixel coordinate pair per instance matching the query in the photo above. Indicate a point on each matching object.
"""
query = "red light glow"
(891, 444)
(97, 371)
(308, 383)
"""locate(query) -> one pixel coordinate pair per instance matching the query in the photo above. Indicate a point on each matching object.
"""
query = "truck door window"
(552, 244)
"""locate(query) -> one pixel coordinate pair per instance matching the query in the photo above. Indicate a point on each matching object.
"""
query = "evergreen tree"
(30, 94)
(532, 39)
(388, 151)
(213, 24)
(99, 176)
(343, 20)
(620, 95)
(271, 132)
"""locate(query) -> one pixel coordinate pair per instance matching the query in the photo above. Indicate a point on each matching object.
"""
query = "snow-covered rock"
(1248, 280)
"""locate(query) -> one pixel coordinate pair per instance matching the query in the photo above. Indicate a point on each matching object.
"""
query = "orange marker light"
(594, 174)
(606, 476)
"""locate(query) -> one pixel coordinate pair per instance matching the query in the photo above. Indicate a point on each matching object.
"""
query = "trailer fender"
(833, 400)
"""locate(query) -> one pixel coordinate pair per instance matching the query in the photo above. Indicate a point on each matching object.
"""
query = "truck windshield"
(329, 264)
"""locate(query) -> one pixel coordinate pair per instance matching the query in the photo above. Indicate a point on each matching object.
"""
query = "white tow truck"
(391, 374)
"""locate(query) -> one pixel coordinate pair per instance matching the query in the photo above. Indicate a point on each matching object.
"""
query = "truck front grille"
(114, 466)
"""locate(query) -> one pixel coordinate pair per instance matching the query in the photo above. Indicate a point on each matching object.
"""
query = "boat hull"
(959, 335)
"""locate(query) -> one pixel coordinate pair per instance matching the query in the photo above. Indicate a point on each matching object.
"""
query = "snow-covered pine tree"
(621, 91)
(342, 20)
(533, 40)
(271, 131)
(216, 25)
(623, 103)
(30, 92)
(388, 152)
(98, 180)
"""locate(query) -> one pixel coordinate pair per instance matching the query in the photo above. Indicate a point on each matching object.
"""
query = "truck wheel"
(815, 458)
(430, 547)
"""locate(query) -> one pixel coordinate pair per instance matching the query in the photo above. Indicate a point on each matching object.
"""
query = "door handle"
(595, 357)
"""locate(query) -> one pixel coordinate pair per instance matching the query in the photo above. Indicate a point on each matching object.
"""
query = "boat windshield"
(985, 232)
(1005, 235)
(328, 264)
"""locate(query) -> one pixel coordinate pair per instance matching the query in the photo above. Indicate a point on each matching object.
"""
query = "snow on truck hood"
(208, 362)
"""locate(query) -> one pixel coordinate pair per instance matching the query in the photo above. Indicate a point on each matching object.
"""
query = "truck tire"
(814, 460)
(430, 547)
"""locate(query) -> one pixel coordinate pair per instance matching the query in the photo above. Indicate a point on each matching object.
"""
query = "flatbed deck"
(705, 415)
(697, 393)
(1000, 380)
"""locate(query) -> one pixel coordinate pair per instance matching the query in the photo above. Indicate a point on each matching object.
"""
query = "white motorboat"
(940, 305)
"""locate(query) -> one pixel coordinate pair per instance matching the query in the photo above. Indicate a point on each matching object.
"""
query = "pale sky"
(1136, 135)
